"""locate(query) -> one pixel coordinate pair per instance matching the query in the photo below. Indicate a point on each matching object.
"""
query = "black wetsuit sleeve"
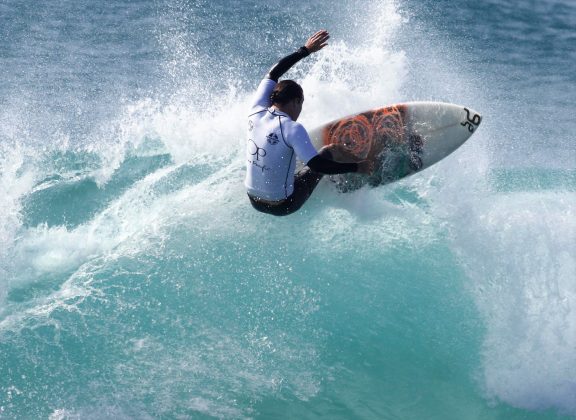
(330, 167)
(284, 64)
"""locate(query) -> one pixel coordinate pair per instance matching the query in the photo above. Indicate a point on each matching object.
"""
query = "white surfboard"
(400, 139)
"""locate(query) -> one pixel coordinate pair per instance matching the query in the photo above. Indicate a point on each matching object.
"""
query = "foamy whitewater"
(136, 281)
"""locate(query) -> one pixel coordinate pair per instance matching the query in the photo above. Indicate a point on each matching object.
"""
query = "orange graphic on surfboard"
(365, 135)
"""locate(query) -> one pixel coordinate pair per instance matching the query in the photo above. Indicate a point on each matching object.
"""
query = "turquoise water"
(136, 281)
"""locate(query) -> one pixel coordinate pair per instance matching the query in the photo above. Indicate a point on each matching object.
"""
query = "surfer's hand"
(317, 41)
(365, 167)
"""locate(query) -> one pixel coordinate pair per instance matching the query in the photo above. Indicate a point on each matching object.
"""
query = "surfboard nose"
(444, 127)
(471, 119)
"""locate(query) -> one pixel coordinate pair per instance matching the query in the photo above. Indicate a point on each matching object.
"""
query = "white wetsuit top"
(274, 142)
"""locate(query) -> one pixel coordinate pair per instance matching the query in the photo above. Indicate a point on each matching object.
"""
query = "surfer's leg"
(273, 209)
(305, 182)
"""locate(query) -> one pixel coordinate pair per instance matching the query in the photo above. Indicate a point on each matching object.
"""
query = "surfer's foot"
(416, 144)
(415, 162)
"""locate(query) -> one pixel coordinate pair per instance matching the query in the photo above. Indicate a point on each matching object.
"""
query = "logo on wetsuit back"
(257, 152)
(272, 138)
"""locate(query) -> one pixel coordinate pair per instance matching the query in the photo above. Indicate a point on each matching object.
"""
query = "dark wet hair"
(285, 91)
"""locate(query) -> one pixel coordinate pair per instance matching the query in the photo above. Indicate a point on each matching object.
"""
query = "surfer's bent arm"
(315, 43)
(262, 96)
(286, 63)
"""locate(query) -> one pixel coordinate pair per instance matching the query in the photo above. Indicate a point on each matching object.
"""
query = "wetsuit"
(274, 142)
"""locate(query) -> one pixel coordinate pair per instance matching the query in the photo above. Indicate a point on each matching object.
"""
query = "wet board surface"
(400, 139)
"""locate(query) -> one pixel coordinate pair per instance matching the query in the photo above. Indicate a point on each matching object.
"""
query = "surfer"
(275, 140)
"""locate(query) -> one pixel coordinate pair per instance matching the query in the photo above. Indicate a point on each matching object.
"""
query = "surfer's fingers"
(317, 41)
(320, 35)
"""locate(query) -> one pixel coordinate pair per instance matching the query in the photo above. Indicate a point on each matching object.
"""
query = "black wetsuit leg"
(305, 182)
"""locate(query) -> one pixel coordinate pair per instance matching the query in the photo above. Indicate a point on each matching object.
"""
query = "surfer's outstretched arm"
(315, 43)
(286, 63)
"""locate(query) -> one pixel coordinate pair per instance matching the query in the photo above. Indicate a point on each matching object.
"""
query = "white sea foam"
(191, 132)
(518, 250)
(515, 248)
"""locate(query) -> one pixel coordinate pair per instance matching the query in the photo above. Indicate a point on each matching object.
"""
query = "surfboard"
(400, 139)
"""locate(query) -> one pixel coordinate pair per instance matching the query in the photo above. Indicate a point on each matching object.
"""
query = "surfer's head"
(288, 97)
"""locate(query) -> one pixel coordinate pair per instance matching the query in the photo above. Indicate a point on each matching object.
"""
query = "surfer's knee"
(326, 151)
(338, 153)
